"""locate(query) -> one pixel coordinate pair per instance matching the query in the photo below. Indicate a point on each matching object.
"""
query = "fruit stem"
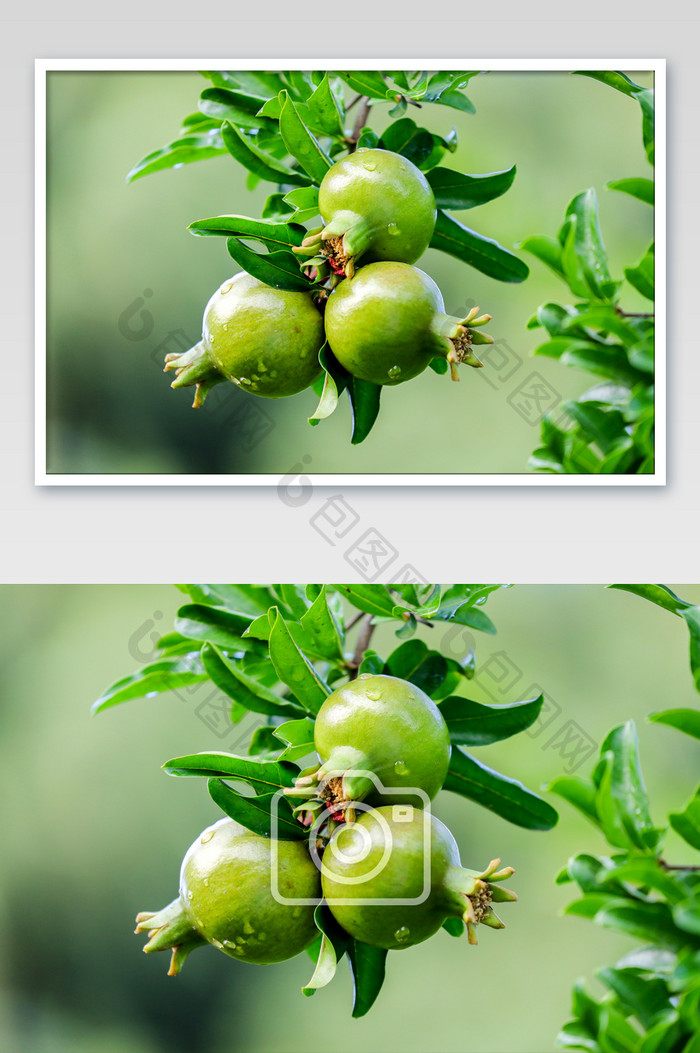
(169, 929)
(194, 367)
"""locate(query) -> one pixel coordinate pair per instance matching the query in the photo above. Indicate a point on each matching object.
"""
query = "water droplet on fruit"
(296, 912)
(480, 601)
(226, 287)
(218, 944)
(374, 693)
(245, 380)
(206, 836)
(400, 768)
(262, 367)
(189, 893)
(362, 676)
(392, 229)
(206, 882)
(248, 928)
(369, 165)
(402, 934)
(255, 378)
(394, 372)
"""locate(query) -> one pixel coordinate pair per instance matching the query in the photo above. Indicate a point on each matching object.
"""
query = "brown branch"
(362, 644)
(679, 866)
(360, 121)
(634, 314)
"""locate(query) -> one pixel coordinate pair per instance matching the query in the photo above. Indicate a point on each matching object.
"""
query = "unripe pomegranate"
(376, 205)
(373, 868)
(386, 325)
(265, 340)
(383, 726)
(226, 899)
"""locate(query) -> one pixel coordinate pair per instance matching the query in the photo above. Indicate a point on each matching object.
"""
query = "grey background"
(533, 532)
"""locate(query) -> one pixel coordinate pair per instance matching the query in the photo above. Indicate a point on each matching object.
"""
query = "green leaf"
(456, 99)
(616, 1034)
(217, 625)
(661, 595)
(165, 675)
(301, 143)
(643, 189)
(226, 104)
(183, 151)
(588, 245)
(507, 797)
(255, 813)
(484, 254)
(321, 625)
(271, 233)
(691, 615)
(334, 944)
(547, 250)
(372, 599)
(262, 776)
(299, 738)
(261, 163)
(413, 661)
(686, 720)
(647, 872)
(304, 200)
(454, 190)
(326, 109)
(613, 78)
(477, 724)
(406, 138)
(641, 277)
(263, 742)
(367, 82)
(631, 803)
(647, 921)
(687, 822)
(578, 792)
(293, 667)
(364, 401)
(278, 269)
(245, 690)
(368, 966)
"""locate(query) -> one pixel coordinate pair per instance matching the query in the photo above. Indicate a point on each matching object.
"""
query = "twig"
(353, 103)
(360, 121)
(355, 620)
(680, 866)
(362, 644)
(634, 314)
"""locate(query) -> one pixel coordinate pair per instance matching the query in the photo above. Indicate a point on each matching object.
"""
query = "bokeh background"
(115, 250)
(93, 832)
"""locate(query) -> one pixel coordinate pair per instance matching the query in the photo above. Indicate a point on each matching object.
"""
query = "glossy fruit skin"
(403, 875)
(391, 196)
(379, 323)
(387, 726)
(225, 889)
(265, 340)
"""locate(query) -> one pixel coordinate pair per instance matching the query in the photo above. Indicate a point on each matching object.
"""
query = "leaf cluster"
(278, 651)
(652, 995)
(609, 429)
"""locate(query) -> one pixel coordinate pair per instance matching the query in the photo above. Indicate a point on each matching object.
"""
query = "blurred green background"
(110, 409)
(93, 832)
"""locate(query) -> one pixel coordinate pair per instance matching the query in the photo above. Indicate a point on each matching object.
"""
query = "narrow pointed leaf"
(368, 966)
(294, 668)
(482, 253)
(262, 776)
(255, 813)
(257, 161)
(230, 678)
(477, 724)
(507, 797)
(302, 143)
(454, 190)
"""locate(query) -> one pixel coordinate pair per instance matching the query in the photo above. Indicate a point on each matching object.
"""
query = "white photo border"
(44, 66)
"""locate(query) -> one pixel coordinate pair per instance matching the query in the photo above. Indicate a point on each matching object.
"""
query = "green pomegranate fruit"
(265, 340)
(375, 204)
(374, 867)
(387, 324)
(383, 726)
(226, 899)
